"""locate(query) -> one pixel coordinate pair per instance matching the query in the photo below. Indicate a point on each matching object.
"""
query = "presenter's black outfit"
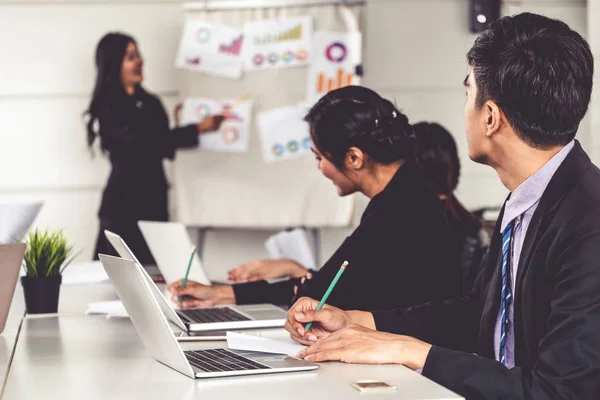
(135, 133)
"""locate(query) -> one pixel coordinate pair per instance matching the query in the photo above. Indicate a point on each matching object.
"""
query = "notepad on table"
(241, 341)
(112, 308)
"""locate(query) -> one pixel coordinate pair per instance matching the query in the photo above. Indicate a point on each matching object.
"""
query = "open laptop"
(206, 319)
(11, 259)
(135, 292)
(170, 245)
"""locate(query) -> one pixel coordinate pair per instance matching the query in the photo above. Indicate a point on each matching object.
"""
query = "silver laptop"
(206, 319)
(11, 259)
(151, 325)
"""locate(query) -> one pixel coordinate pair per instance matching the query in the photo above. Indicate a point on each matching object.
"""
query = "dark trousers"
(131, 234)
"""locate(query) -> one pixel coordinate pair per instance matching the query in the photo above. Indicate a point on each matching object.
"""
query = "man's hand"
(359, 345)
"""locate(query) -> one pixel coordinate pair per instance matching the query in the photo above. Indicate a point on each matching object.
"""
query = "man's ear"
(493, 115)
(355, 158)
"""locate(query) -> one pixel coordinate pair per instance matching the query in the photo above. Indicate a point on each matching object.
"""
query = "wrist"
(296, 270)
(361, 318)
(413, 354)
(225, 294)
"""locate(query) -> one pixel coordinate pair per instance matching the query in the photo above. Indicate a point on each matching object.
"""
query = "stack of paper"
(293, 245)
(241, 341)
(113, 308)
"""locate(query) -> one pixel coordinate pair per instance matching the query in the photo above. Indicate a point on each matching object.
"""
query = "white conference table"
(8, 339)
(73, 356)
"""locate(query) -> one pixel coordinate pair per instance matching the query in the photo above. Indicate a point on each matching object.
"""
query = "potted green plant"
(46, 258)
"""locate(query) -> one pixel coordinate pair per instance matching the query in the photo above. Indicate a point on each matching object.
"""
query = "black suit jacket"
(402, 241)
(556, 309)
(134, 130)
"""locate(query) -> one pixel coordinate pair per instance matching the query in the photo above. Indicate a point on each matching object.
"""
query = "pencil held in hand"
(187, 272)
(329, 290)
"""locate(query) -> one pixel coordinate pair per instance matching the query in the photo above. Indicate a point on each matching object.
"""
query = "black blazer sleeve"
(451, 323)
(279, 293)
(568, 357)
(139, 138)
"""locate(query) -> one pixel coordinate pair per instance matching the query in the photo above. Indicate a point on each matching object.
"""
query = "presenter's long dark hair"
(108, 88)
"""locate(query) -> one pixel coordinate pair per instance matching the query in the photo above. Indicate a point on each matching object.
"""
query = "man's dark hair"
(539, 72)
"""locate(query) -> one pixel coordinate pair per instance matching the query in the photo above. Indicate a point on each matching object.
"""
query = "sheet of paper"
(283, 133)
(112, 308)
(293, 245)
(335, 57)
(80, 273)
(234, 134)
(277, 43)
(211, 48)
(241, 341)
(16, 219)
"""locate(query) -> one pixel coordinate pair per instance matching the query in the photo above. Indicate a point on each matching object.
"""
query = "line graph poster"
(334, 60)
(278, 43)
(283, 133)
(211, 48)
(234, 134)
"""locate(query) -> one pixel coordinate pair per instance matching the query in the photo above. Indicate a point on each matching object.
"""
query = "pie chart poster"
(334, 59)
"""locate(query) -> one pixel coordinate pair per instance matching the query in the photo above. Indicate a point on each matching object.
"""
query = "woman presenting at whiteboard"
(133, 128)
(401, 252)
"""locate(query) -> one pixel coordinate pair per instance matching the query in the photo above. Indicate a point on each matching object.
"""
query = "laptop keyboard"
(206, 315)
(221, 360)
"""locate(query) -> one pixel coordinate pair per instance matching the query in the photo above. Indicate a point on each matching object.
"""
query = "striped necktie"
(506, 292)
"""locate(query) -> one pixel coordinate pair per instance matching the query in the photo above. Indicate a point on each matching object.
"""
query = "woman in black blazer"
(134, 131)
(364, 144)
(437, 157)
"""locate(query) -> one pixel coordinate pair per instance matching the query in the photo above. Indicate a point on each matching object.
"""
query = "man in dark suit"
(530, 328)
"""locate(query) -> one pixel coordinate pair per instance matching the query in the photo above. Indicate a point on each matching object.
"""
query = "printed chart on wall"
(234, 134)
(333, 64)
(278, 43)
(283, 133)
(211, 48)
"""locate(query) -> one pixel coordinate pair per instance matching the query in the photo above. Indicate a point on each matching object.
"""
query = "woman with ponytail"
(401, 253)
(438, 158)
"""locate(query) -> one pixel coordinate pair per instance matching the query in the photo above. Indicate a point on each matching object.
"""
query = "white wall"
(414, 53)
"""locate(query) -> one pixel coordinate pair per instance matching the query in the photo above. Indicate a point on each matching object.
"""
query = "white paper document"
(80, 273)
(211, 48)
(292, 245)
(277, 43)
(112, 308)
(333, 66)
(283, 133)
(16, 219)
(234, 134)
(241, 341)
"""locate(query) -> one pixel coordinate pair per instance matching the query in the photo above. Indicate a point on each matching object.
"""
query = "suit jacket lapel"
(559, 185)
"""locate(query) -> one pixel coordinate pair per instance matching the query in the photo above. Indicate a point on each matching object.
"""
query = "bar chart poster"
(211, 48)
(277, 43)
(334, 61)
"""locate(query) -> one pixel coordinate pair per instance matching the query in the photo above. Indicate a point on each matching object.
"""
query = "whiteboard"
(241, 190)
